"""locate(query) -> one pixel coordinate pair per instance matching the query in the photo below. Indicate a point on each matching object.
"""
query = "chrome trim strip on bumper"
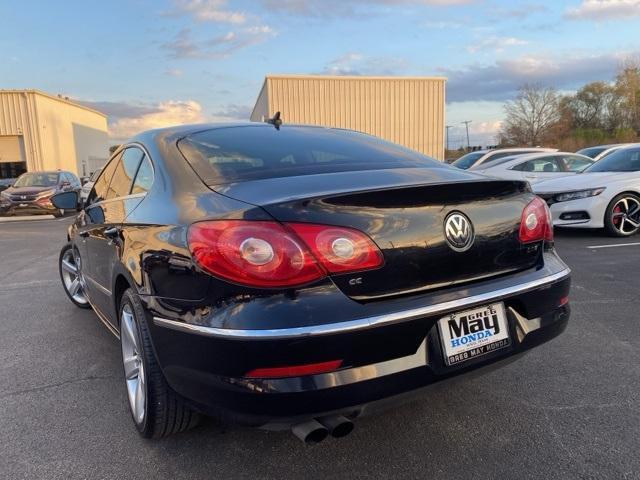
(361, 323)
(347, 376)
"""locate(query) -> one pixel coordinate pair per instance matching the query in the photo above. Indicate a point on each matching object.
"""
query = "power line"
(448, 127)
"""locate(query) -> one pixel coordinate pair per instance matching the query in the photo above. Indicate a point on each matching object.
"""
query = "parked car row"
(596, 187)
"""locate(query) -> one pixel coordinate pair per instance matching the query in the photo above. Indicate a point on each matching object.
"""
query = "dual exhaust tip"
(314, 431)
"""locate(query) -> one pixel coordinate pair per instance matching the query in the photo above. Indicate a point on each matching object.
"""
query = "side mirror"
(65, 200)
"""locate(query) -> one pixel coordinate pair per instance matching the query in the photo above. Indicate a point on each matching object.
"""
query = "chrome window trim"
(121, 149)
(361, 323)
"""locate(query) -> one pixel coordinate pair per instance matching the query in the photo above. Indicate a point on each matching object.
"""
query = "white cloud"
(338, 8)
(173, 72)
(233, 111)
(442, 25)
(165, 114)
(501, 80)
(221, 46)
(209, 11)
(604, 10)
(497, 44)
(354, 63)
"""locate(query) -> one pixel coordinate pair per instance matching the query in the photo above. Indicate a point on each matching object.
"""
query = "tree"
(627, 87)
(531, 117)
(594, 106)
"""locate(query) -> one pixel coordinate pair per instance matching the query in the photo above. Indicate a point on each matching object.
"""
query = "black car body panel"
(405, 218)
(208, 332)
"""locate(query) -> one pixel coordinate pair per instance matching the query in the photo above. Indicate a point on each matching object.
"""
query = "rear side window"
(124, 173)
(144, 177)
(545, 164)
(576, 164)
(236, 154)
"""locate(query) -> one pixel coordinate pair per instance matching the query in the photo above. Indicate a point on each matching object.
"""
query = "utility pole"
(447, 135)
(466, 123)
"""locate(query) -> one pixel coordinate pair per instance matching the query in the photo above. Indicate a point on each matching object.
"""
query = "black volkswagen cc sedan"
(303, 276)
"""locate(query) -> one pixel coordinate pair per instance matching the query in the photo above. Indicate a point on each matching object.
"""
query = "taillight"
(294, 370)
(535, 223)
(260, 254)
(339, 249)
(268, 254)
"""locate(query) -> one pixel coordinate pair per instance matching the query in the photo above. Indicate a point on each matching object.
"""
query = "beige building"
(404, 110)
(43, 132)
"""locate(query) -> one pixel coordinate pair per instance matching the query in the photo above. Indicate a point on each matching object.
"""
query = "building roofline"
(351, 77)
(54, 97)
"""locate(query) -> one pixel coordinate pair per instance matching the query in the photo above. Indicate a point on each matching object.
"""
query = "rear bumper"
(386, 356)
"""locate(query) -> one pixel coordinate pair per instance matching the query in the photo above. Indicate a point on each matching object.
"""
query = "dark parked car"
(301, 277)
(32, 192)
(6, 183)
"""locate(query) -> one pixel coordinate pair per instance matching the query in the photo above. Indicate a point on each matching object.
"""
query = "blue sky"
(151, 63)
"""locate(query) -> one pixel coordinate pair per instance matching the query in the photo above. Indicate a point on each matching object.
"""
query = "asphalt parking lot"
(569, 409)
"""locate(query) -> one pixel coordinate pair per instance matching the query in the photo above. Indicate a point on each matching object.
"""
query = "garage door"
(11, 149)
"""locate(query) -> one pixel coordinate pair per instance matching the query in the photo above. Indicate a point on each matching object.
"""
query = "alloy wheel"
(625, 215)
(73, 280)
(133, 365)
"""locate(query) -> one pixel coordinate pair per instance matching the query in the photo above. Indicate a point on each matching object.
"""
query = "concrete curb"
(25, 218)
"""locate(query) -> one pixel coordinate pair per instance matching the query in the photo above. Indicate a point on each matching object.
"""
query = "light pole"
(447, 134)
(466, 123)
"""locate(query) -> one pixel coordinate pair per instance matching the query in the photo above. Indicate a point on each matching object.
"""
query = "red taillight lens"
(536, 223)
(260, 254)
(294, 370)
(339, 249)
(267, 254)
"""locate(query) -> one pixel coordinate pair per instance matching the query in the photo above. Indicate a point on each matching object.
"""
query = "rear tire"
(622, 217)
(157, 411)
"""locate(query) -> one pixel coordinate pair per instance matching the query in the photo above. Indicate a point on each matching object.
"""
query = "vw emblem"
(458, 231)
(23, 197)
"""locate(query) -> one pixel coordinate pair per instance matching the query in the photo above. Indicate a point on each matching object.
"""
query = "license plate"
(473, 333)
(23, 205)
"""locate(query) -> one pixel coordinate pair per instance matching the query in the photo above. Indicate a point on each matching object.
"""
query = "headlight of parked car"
(47, 193)
(592, 192)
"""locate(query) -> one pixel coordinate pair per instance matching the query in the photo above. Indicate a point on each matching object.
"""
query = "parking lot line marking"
(614, 245)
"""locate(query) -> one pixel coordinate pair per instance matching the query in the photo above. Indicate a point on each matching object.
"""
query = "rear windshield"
(592, 152)
(236, 154)
(466, 161)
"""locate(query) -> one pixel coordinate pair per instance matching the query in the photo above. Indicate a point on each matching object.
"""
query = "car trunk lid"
(404, 211)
